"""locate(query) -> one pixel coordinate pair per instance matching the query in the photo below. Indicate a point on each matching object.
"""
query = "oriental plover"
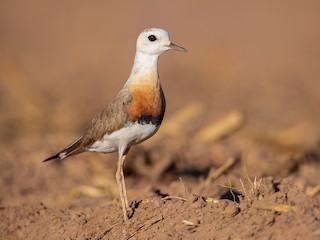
(134, 115)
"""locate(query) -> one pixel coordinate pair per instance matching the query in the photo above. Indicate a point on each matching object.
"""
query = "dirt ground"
(238, 153)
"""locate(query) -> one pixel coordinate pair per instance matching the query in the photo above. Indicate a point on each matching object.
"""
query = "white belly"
(128, 136)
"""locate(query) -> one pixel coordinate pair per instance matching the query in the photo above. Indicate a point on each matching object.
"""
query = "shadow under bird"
(134, 115)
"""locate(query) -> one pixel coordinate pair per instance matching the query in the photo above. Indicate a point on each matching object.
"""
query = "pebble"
(231, 210)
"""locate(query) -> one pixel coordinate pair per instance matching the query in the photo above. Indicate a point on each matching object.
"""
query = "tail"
(73, 149)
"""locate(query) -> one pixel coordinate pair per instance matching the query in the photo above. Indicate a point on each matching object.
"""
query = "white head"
(154, 41)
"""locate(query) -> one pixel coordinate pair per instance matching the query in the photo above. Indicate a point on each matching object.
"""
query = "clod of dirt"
(231, 210)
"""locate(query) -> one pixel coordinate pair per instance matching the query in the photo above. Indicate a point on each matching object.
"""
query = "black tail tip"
(52, 158)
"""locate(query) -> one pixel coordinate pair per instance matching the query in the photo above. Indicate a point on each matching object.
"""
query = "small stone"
(231, 210)
(83, 221)
(198, 203)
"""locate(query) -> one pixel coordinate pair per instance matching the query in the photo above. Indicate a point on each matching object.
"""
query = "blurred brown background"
(243, 102)
(61, 61)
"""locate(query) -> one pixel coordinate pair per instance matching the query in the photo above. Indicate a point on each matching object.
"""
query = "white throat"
(144, 65)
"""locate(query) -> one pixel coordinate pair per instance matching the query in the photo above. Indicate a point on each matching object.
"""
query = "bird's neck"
(144, 70)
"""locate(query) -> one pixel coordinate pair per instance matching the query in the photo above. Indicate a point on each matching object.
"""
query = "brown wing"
(113, 117)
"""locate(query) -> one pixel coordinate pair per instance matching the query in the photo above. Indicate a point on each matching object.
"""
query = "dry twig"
(174, 197)
(148, 223)
(211, 200)
(184, 188)
(175, 126)
(221, 128)
(106, 231)
(277, 208)
(314, 191)
(214, 174)
(189, 223)
(254, 186)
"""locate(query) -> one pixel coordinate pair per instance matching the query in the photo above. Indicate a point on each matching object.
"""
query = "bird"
(134, 115)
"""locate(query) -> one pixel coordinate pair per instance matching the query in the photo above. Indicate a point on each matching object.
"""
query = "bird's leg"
(122, 187)
(119, 178)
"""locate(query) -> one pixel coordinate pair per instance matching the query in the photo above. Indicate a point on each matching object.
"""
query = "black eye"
(152, 38)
